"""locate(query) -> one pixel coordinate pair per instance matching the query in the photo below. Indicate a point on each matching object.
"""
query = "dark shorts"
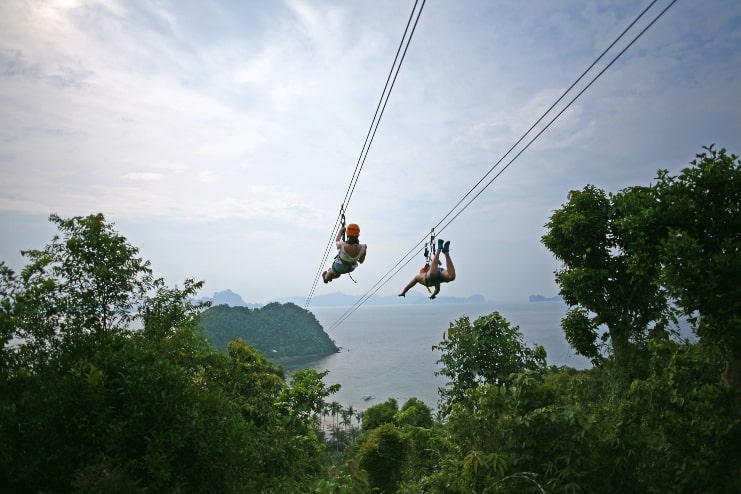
(433, 277)
(339, 266)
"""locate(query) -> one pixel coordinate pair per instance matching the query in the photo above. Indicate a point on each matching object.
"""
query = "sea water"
(386, 351)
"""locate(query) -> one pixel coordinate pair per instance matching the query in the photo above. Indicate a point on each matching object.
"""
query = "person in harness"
(432, 274)
(351, 252)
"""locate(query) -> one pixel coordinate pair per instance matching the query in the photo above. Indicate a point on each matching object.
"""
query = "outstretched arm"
(408, 287)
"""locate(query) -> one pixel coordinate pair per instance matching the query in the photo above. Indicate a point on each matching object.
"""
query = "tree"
(377, 415)
(630, 256)
(8, 287)
(488, 351)
(603, 279)
(701, 250)
(89, 279)
(306, 394)
(414, 413)
(88, 404)
(382, 455)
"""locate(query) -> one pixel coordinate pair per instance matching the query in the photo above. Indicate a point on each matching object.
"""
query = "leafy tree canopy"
(488, 351)
(88, 404)
(629, 258)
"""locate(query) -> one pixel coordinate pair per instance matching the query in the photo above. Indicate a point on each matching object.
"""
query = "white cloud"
(144, 176)
(234, 123)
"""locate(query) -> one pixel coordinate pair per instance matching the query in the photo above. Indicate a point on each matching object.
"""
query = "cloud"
(144, 176)
(242, 123)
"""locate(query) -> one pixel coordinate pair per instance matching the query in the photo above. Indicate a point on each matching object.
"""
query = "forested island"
(108, 383)
(541, 298)
(277, 331)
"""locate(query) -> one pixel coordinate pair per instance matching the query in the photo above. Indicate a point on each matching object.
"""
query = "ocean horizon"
(386, 351)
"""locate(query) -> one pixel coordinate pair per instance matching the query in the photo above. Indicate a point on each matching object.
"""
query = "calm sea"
(386, 351)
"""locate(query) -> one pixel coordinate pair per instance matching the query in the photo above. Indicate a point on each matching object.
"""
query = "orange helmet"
(352, 230)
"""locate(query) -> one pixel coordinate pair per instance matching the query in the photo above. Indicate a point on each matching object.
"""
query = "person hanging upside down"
(351, 252)
(433, 274)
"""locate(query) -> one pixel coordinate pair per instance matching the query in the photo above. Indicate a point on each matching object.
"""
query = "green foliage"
(489, 351)
(681, 421)
(625, 255)
(349, 479)
(378, 415)
(605, 277)
(275, 330)
(414, 413)
(89, 405)
(307, 394)
(563, 432)
(118, 401)
(8, 288)
(582, 333)
(701, 249)
(87, 280)
(702, 210)
(382, 455)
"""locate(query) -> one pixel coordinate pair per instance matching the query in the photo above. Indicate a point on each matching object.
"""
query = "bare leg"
(435, 262)
(449, 267)
(330, 275)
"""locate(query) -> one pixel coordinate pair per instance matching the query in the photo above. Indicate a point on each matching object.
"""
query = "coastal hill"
(541, 298)
(276, 330)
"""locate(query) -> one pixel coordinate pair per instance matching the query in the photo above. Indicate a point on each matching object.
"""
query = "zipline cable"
(383, 109)
(563, 95)
(568, 105)
(385, 278)
(385, 94)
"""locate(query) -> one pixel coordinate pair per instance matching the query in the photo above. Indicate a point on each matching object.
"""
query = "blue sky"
(221, 137)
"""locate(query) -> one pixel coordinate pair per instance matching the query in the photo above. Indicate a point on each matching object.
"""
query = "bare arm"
(436, 291)
(408, 287)
(338, 238)
(362, 258)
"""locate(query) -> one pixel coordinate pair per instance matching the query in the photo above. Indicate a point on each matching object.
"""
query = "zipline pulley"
(342, 220)
(430, 249)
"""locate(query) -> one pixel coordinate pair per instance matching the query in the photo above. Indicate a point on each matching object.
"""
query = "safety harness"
(429, 255)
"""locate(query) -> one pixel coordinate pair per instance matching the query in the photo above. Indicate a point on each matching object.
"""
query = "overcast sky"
(221, 137)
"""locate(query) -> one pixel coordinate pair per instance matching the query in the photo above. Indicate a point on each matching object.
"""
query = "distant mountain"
(275, 330)
(339, 299)
(228, 297)
(541, 298)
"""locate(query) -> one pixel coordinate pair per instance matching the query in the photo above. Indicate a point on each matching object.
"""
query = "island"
(278, 331)
(541, 298)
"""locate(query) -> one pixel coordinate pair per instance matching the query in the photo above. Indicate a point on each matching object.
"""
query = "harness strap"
(342, 220)
(429, 254)
(338, 258)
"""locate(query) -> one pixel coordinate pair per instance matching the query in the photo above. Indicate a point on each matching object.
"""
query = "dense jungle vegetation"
(88, 405)
(275, 330)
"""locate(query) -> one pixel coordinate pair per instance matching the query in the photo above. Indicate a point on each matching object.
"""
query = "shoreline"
(291, 359)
